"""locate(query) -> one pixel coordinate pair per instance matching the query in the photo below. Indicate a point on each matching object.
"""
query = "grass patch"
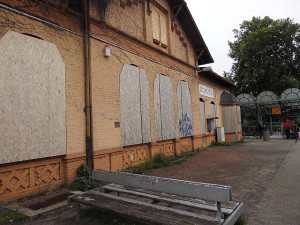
(108, 218)
(216, 144)
(160, 160)
(242, 220)
(242, 140)
(8, 216)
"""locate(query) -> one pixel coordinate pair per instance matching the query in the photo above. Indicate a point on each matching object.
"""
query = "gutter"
(87, 76)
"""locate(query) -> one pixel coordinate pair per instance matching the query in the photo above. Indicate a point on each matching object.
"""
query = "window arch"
(32, 35)
(202, 116)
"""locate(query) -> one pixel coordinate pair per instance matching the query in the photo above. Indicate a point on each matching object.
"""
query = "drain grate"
(46, 201)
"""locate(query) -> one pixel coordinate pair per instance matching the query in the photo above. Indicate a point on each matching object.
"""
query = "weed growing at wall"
(8, 216)
(160, 160)
(83, 180)
(215, 144)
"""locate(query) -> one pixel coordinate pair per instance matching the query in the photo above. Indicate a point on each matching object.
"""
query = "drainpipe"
(87, 75)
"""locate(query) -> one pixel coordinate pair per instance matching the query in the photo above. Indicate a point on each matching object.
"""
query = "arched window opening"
(164, 108)
(134, 98)
(202, 116)
(185, 123)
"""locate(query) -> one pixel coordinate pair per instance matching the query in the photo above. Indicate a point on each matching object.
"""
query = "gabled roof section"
(210, 74)
(187, 22)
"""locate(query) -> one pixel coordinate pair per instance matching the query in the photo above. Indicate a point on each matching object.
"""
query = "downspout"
(87, 76)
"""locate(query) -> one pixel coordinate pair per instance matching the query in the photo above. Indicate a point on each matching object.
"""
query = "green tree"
(266, 55)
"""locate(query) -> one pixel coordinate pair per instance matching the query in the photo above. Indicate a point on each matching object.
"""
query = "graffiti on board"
(185, 126)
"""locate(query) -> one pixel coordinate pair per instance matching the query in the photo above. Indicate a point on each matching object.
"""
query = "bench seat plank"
(167, 198)
(158, 200)
(141, 212)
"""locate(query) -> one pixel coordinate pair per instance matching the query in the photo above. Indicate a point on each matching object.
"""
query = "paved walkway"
(281, 202)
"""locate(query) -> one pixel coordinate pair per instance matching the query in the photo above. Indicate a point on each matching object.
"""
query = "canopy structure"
(270, 109)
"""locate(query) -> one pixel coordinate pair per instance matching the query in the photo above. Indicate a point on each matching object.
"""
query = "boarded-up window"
(164, 109)
(163, 30)
(32, 104)
(159, 27)
(155, 26)
(213, 114)
(229, 119)
(202, 116)
(185, 123)
(134, 95)
(239, 119)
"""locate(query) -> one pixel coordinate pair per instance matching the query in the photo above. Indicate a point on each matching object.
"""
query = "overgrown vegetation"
(9, 216)
(160, 160)
(83, 180)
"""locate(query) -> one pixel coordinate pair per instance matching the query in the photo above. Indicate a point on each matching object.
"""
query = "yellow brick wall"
(135, 20)
(70, 47)
(106, 92)
(108, 151)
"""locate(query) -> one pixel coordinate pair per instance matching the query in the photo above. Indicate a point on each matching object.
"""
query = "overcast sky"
(217, 18)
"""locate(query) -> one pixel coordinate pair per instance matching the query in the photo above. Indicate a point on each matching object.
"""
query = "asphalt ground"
(265, 175)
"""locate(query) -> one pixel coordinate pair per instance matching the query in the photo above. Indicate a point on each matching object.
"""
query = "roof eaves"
(188, 24)
(216, 76)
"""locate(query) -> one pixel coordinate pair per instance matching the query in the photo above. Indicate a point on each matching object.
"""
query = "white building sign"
(206, 91)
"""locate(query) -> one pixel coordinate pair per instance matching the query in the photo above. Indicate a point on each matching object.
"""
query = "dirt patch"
(45, 201)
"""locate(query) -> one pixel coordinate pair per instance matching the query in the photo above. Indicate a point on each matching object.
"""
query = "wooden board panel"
(185, 122)
(32, 99)
(202, 118)
(164, 108)
(144, 87)
(130, 105)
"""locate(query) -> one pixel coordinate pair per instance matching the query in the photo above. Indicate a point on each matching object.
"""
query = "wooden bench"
(157, 200)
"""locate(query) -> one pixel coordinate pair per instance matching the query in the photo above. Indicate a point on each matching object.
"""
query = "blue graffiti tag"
(185, 126)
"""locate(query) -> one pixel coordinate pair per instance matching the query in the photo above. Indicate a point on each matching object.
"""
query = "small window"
(159, 27)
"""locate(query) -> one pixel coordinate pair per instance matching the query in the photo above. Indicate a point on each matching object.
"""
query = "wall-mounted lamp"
(106, 51)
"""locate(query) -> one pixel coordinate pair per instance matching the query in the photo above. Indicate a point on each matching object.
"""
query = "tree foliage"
(266, 55)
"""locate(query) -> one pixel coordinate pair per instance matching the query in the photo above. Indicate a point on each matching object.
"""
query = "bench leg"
(78, 211)
(220, 214)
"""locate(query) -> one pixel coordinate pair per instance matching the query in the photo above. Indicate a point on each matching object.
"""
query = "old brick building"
(108, 83)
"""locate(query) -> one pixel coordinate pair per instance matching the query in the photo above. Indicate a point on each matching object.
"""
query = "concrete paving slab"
(281, 202)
